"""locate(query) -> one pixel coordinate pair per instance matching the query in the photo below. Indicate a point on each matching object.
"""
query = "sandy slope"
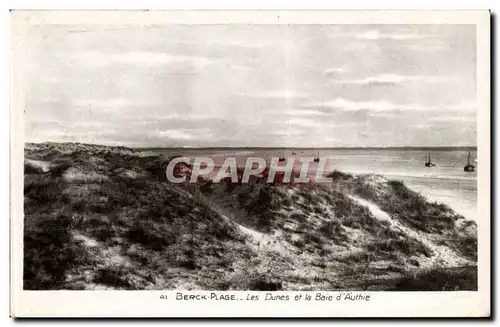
(443, 256)
(44, 166)
(107, 219)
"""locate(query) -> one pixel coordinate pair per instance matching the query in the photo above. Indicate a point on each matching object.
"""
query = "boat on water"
(469, 167)
(281, 158)
(317, 157)
(428, 162)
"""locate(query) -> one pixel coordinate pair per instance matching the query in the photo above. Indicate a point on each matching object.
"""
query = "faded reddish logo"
(274, 170)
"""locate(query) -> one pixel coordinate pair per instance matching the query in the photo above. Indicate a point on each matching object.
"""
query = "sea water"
(446, 182)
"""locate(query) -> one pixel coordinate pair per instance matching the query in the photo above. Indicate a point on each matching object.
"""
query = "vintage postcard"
(250, 164)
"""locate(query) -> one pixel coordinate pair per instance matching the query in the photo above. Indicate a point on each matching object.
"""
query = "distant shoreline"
(319, 148)
(411, 148)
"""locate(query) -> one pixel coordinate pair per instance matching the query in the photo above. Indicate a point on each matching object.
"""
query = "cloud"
(239, 44)
(276, 94)
(386, 114)
(285, 113)
(183, 133)
(175, 134)
(393, 79)
(304, 122)
(334, 71)
(380, 106)
(464, 119)
(407, 41)
(126, 86)
(96, 58)
(421, 126)
(343, 104)
(332, 139)
(427, 45)
(304, 112)
(291, 132)
(377, 35)
(113, 103)
(347, 124)
(150, 58)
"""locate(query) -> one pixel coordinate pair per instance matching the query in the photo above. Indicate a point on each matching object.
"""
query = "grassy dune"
(101, 217)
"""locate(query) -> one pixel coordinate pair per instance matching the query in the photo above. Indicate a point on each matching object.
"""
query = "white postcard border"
(148, 303)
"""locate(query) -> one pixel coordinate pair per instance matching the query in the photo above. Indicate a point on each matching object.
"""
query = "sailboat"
(317, 157)
(428, 162)
(469, 167)
(281, 158)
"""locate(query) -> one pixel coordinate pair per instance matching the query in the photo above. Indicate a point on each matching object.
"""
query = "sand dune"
(106, 218)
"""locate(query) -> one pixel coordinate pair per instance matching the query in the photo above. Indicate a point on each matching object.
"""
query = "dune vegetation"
(100, 217)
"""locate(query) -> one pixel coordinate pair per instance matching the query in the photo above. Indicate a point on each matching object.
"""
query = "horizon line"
(440, 147)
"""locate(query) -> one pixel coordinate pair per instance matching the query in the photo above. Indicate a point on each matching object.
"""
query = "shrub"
(49, 251)
(59, 169)
(286, 202)
(31, 169)
(319, 210)
(336, 175)
(439, 279)
(299, 243)
(262, 203)
(45, 191)
(187, 260)
(309, 196)
(333, 230)
(252, 281)
(407, 246)
(409, 207)
(146, 233)
(114, 277)
(464, 244)
(312, 238)
(298, 216)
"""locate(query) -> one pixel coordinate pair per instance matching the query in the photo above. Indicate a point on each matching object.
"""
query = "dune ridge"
(99, 217)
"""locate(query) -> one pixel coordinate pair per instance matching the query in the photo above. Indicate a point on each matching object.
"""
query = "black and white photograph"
(321, 157)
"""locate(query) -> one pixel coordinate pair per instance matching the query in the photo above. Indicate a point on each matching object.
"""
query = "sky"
(251, 85)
